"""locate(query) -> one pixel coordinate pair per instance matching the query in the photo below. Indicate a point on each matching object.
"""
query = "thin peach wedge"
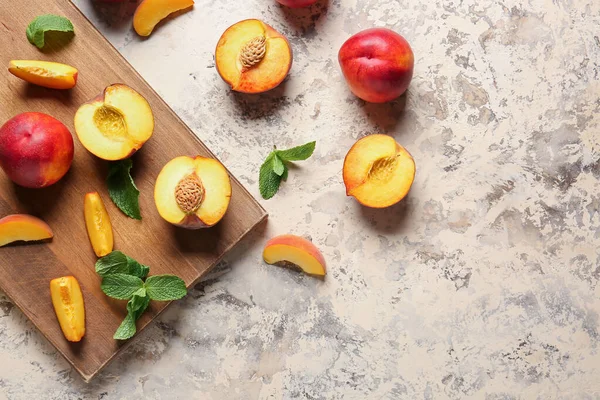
(115, 124)
(296, 250)
(67, 300)
(150, 12)
(23, 227)
(192, 192)
(252, 57)
(98, 224)
(48, 74)
(378, 172)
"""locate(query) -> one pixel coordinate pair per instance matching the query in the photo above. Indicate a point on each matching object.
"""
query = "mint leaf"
(278, 166)
(122, 189)
(268, 180)
(127, 328)
(298, 153)
(121, 286)
(136, 269)
(138, 303)
(37, 28)
(112, 263)
(274, 170)
(165, 287)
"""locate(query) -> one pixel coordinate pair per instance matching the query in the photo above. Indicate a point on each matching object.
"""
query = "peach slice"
(23, 227)
(67, 300)
(192, 192)
(115, 124)
(98, 224)
(253, 57)
(44, 73)
(296, 250)
(378, 172)
(151, 12)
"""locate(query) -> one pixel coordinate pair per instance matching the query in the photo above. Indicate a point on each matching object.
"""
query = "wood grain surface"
(26, 270)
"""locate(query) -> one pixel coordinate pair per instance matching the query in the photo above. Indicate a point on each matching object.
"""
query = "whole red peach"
(297, 3)
(36, 150)
(377, 64)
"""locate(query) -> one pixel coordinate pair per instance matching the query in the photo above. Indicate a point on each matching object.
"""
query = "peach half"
(378, 172)
(296, 250)
(150, 12)
(252, 57)
(192, 192)
(23, 227)
(115, 124)
(44, 73)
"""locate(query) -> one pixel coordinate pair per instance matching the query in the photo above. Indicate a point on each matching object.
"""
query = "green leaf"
(165, 287)
(137, 269)
(121, 286)
(127, 328)
(298, 153)
(278, 165)
(44, 23)
(122, 189)
(268, 180)
(138, 303)
(112, 263)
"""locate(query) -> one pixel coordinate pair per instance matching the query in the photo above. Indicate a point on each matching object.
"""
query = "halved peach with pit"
(48, 74)
(115, 124)
(23, 227)
(296, 250)
(253, 57)
(150, 12)
(378, 172)
(192, 192)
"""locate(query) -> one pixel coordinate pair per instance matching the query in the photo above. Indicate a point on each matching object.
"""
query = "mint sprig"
(122, 189)
(36, 30)
(275, 168)
(123, 279)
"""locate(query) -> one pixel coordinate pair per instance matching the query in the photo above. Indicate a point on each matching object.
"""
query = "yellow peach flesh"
(115, 125)
(22, 227)
(150, 12)
(67, 300)
(295, 250)
(216, 185)
(44, 73)
(266, 74)
(378, 172)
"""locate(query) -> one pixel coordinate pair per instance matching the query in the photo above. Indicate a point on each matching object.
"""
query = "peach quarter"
(192, 192)
(252, 57)
(98, 224)
(48, 74)
(23, 227)
(378, 172)
(67, 300)
(150, 12)
(115, 124)
(296, 250)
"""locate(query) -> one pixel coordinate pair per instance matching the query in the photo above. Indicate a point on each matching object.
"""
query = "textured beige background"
(482, 284)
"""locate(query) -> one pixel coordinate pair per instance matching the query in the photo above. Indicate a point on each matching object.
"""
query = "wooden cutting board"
(26, 270)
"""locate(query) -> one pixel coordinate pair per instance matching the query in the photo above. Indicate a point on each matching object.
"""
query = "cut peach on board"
(296, 250)
(67, 300)
(23, 227)
(115, 124)
(98, 224)
(150, 12)
(44, 73)
(378, 172)
(252, 57)
(192, 192)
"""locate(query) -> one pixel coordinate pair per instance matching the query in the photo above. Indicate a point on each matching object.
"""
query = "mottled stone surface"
(483, 283)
